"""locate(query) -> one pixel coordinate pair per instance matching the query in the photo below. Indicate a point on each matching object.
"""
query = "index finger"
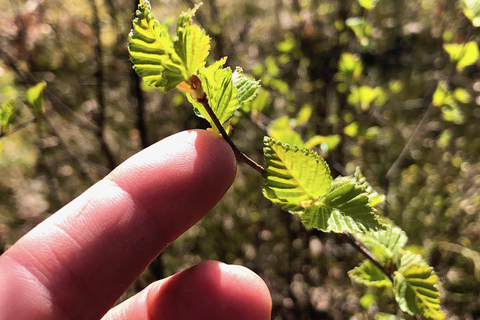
(78, 262)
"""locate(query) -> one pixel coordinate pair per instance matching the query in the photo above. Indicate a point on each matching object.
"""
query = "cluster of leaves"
(297, 179)
(9, 109)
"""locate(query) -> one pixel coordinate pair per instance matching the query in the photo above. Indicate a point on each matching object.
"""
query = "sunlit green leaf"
(363, 96)
(343, 208)
(287, 136)
(386, 245)
(368, 4)
(326, 143)
(158, 60)
(461, 95)
(374, 197)
(385, 316)
(8, 111)
(349, 67)
(463, 55)
(351, 130)
(258, 103)
(296, 176)
(368, 274)
(247, 89)
(416, 291)
(362, 29)
(303, 115)
(35, 97)
(471, 9)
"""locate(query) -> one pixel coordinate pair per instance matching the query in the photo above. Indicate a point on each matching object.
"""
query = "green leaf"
(259, 103)
(8, 111)
(158, 60)
(362, 29)
(35, 97)
(374, 197)
(327, 143)
(349, 67)
(287, 136)
(343, 208)
(368, 274)
(368, 4)
(385, 245)
(471, 9)
(364, 96)
(416, 291)
(461, 95)
(295, 177)
(463, 55)
(303, 115)
(222, 95)
(247, 89)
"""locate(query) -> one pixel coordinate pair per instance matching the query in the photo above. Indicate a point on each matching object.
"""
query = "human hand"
(78, 262)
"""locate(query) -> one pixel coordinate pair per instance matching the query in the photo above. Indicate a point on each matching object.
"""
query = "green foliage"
(414, 282)
(349, 67)
(299, 181)
(416, 291)
(295, 177)
(226, 92)
(344, 208)
(159, 60)
(362, 29)
(471, 9)
(34, 97)
(368, 4)
(463, 55)
(364, 96)
(8, 111)
(445, 99)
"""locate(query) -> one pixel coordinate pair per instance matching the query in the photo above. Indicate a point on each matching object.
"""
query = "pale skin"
(78, 262)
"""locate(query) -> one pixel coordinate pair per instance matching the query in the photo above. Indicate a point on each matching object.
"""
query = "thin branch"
(99, 76)
(17, 127)
(364, 250)
(238, 154)
(394, 168)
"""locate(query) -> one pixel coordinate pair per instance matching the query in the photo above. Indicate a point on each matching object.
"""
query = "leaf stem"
(238, 154)
(361, 248)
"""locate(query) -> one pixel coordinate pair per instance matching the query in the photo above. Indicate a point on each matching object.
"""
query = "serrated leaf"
(343, 208)
(8, 111)
(218, 85)
(158, 60)
(34, 97)
(192, 44)
(247, 89)
(368, 274)
(386, 245)
(294, 176)
(374, 197)
(416, 291)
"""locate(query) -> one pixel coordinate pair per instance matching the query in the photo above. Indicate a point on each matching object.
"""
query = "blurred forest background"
(367, 73)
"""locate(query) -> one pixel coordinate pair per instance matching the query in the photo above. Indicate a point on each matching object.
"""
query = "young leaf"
(374, 197)
(343, 208)
(161, 62)
(8, 111)
(386, 245)
(416, 291)
(192, 44)
(294, 176)
(368, 274)
(368, 4)
(247, 89)
(35, 97)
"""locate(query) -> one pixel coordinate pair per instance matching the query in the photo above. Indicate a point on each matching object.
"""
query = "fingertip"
(211, 290)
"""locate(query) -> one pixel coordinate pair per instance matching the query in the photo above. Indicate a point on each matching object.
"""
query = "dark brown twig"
(238, 154)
